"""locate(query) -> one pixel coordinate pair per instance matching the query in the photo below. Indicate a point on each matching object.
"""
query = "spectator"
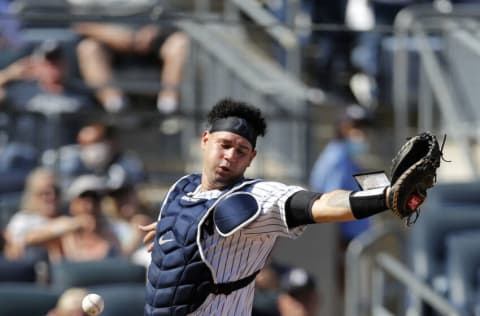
(128, 212)
(69, 303)
(34, 231)
(165, 44)
(97, 240)
(340, 159)
(369, 16)
(99, 152)
(282, 290)
(299, 295)
(39, 83)
(40, 203)
(331, 47)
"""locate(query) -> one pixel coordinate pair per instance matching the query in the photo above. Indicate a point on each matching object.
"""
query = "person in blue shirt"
(336, 164)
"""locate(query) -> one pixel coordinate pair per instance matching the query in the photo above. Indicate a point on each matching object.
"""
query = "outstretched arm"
(336, 206)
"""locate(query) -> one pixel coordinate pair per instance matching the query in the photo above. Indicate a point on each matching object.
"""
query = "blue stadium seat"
(100, 272)
(463, 262)
(427, 241)
(453, 194)
(17, 271)
(23, 299)
(121, 299)
(9, 204)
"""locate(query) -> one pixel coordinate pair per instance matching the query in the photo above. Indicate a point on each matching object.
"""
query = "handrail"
(398, 271)
(283, 35)
(440, 88)
(415, 21)
(356, 249)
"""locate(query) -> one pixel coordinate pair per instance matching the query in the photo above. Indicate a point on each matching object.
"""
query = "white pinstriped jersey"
(246, 251)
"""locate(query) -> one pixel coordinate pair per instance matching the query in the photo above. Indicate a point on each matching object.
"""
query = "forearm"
(5, 77)
(333, 207)
(340, 205)
(54, 230)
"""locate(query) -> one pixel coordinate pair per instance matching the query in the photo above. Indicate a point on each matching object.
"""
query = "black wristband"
(367, 203)
(298, 208)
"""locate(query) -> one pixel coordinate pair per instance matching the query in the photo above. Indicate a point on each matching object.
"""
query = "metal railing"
(386, 264)
(221, 65)
(360, 249)
(367, 289)
(440, 100)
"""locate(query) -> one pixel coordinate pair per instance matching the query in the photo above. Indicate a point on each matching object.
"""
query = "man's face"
(95, 151)
(51, 71)
(226, 156)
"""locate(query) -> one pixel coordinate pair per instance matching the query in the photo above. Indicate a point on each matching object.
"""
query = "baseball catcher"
(413, 171)
(216, 228)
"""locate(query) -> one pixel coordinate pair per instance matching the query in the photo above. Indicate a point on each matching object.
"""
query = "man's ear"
(204, 139)
(253, 155)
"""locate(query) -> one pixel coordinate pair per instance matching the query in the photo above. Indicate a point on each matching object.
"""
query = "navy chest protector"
(178, 280)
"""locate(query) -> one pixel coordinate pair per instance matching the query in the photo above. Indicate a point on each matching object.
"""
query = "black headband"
(236, 125)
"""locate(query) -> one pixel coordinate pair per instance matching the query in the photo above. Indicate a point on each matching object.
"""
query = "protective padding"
(234, 212)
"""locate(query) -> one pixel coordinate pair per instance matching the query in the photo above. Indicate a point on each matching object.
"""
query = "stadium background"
(265, 53)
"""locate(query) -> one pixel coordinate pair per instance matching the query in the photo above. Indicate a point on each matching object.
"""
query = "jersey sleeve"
(271, 197)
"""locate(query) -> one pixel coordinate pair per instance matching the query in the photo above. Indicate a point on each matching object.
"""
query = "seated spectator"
(159, 43)
(39, 83)
(98, 240)
(283, 290)
(299, 295)
(69, 303)
(127, 212)
(34, 232)
(97, 152)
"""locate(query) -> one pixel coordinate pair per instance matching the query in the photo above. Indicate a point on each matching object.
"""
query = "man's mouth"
(223, 169)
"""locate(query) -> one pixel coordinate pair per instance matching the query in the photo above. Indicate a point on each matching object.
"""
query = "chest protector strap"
(229, 287)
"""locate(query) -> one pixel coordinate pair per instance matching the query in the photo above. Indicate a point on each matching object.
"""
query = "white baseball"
(92, 304)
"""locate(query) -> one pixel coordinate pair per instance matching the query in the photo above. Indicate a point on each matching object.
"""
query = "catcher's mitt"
(413, 171)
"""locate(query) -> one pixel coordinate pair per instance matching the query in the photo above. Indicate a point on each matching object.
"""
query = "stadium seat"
(463, 262)
(9, 204)
(101, 272)
(23, 299)
(17, 271)
(427, 242)
(453, 195)
(121, 299)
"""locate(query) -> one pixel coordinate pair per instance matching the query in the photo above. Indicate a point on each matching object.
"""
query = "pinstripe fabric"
(246, 251)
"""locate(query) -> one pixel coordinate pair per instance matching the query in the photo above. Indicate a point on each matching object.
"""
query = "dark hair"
(228, 107)
(50, 50)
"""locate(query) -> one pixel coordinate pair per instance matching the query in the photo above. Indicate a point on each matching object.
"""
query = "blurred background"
(102, 104)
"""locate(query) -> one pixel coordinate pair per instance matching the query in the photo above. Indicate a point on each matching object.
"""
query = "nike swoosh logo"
(162, 241)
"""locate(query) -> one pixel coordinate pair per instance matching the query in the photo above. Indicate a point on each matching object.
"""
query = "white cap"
(86, 183)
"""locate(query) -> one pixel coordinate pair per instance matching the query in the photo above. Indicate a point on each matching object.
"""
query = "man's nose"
(229, 154)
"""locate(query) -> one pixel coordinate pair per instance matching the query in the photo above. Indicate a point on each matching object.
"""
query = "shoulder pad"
(234, 212)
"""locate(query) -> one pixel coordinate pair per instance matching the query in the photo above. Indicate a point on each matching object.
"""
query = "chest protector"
(179, 280)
